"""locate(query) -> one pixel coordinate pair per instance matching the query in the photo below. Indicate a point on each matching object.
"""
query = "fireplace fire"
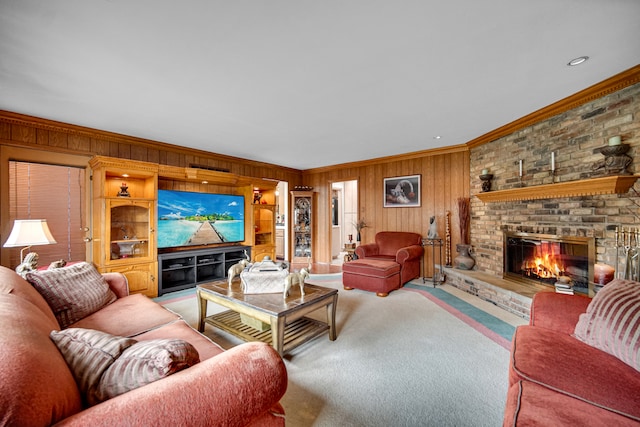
(543, 259)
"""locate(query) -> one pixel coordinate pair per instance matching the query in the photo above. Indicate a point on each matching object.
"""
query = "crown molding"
(18, 119)
(395, 158)
(618, 82)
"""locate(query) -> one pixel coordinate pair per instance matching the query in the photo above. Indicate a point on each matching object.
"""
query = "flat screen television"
(191, 219)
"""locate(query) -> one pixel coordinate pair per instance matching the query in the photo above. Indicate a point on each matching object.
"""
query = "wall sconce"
(27, 233)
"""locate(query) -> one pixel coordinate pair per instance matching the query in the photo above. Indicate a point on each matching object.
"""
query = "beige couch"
(241, 386)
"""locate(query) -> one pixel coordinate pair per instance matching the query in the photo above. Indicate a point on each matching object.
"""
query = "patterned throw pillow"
(72, 292)
(89, 354)
(612, 321)
(105, 365)
(144, 363)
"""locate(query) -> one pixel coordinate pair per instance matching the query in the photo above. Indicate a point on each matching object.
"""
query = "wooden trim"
(606, 87)
(71, 129)
(585, 187)
(395, 158)
(29, 153)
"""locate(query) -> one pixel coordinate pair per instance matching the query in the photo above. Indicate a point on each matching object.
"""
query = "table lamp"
(27, 233)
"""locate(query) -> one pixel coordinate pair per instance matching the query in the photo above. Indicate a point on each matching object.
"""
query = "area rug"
(419, 357)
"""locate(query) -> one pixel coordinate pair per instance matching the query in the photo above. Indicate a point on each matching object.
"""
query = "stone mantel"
(617, 184)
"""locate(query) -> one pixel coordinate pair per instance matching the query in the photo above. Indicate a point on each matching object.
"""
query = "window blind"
(55, 193)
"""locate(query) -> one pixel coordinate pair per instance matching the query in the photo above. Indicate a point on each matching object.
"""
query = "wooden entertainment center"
(123, 232)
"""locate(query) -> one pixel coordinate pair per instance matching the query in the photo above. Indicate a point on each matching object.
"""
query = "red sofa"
(556, 379)
(241, 386)
(387, 264)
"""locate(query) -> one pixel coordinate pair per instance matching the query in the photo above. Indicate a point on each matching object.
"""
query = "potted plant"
(359, 226)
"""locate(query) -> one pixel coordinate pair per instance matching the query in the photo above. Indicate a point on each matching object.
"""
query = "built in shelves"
(186, 269)
(618, 184)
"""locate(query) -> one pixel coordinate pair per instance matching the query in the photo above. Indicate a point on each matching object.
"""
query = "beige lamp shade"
(29, 232)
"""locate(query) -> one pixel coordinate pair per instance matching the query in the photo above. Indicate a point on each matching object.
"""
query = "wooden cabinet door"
(141, 277)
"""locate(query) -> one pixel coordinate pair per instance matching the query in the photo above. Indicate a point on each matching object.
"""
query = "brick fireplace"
(575, 138)
(542, 259)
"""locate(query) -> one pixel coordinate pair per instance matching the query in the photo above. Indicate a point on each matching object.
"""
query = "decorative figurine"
(433, 229)
(295, 278)
(124, 190)
(486, 181)
(236, 269)
(616, 160)
(29, 264)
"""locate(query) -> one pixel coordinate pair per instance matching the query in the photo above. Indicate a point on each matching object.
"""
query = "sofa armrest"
(556, 311)
(230, 389)
(117, 283)
(368, 250)
(409, 253)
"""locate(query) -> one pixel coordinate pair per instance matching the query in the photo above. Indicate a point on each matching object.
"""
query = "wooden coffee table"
(287, 326)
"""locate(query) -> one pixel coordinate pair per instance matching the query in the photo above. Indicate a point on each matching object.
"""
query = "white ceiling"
(302, 83)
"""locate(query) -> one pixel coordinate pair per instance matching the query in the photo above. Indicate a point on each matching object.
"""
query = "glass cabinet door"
(130, 229)
(302, 239)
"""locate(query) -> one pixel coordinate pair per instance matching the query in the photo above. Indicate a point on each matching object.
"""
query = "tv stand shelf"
(186, 269)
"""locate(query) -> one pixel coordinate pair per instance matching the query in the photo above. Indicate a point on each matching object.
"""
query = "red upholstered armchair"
(405, 248)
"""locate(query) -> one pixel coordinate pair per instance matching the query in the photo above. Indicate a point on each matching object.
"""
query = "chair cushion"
(530, 404)
(612, 321)
(372, 267)
(72, 292)
(563, 363)
(128, 317)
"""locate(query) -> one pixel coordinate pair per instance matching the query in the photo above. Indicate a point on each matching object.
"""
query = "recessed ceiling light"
(437, 137)
(577, 61)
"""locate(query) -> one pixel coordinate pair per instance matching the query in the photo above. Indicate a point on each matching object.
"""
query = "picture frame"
(402, 191)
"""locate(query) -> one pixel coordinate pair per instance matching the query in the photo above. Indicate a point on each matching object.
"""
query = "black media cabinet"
(186, 269)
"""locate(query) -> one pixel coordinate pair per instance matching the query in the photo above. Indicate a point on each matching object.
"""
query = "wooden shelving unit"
(186, 269)
(123, 230)
(264, 221)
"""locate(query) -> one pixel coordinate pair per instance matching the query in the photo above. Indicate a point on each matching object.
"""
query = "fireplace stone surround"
(575, 137)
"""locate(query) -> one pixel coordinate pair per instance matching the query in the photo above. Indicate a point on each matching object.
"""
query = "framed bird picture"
(402, 191)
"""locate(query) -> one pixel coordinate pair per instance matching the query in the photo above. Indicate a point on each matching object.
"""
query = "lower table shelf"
(295, 333)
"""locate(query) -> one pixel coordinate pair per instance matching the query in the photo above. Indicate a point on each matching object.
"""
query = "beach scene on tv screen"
(187, 218)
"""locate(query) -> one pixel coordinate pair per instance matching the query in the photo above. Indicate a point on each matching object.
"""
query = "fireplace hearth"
(543, 258)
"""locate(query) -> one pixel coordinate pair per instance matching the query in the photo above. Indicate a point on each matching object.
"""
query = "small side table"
(350, 249)
(438, 275)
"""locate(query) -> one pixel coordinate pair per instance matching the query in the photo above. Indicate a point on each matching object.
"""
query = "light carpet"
(422, 356)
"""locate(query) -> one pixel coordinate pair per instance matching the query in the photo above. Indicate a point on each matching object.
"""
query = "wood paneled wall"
(47, 135)
(440, 187)
(444, 178)
(37, 140)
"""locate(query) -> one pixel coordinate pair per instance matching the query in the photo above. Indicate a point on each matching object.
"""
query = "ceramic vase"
(464, 260)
